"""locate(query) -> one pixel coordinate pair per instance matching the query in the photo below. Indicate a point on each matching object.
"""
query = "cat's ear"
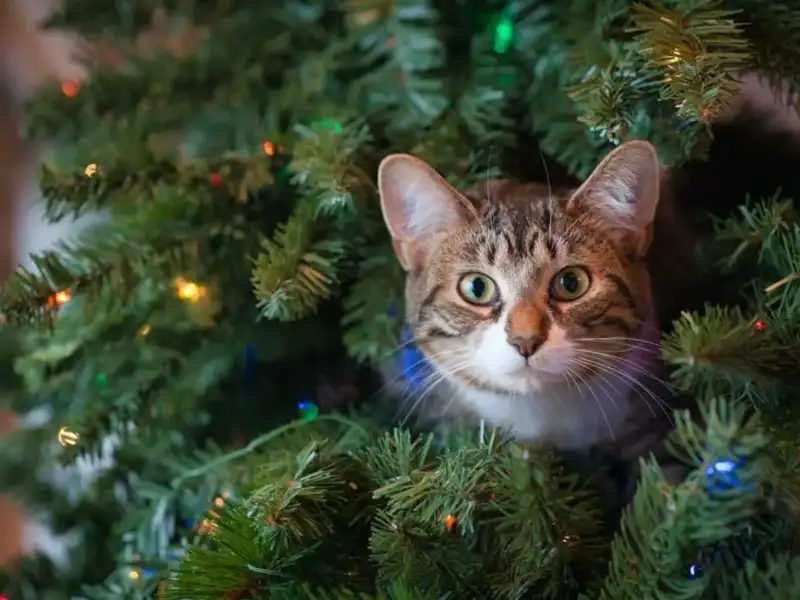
(418, 204)
(624, 189)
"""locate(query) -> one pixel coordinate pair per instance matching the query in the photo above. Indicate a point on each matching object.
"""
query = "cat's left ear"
(623, 190)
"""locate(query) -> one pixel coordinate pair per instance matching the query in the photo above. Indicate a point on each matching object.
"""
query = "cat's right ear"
(418, 205)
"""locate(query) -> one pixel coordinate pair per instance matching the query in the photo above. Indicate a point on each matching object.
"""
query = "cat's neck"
(579, 415)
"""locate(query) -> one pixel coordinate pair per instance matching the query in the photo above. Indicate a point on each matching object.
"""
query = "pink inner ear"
(625, 186)
(417, 204)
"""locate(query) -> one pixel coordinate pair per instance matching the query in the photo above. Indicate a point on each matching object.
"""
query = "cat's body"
(533, 305)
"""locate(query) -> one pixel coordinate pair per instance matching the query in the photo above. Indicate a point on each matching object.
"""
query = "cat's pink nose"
(526, 345)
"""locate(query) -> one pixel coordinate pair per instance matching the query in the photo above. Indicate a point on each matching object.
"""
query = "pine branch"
(372, 321)
(400, 37)
(546, 555)
(666, 526)
(169, 89)
(754, 227)
(324, 162)
(699, 48)
(146, 174)
(90, 17)
(774, 33)
(105, 256)
(779, 579)
(607, 96)
(297, 270)
(724, 352)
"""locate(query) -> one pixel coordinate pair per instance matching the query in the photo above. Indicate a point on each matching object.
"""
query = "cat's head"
(514, 289)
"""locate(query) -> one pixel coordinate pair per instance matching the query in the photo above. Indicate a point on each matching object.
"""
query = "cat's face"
(515, 289)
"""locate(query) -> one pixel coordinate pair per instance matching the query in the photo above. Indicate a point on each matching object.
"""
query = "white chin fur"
(500, 365)
(541, 403)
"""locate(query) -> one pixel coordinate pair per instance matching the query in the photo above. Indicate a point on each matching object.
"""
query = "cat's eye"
(477, 288)
(570, 284)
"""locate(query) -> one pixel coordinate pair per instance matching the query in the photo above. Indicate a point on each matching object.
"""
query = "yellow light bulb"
(188, 290)
(144, 330)
(90, 169)
(67, 437)
(134, 575)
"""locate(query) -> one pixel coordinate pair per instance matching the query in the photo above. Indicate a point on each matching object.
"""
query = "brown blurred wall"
(26, 58)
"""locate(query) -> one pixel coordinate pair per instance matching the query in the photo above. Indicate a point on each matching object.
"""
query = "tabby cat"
(533, 305)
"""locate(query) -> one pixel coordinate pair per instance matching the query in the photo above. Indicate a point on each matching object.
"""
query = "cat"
(533, 305)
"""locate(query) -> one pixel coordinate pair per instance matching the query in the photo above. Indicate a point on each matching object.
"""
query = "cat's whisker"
(640, 368)
(421, 398)
(397, 379)
(489, 174)
(410, 384)
(603, 374)
(615, 339)
(436, 379)
(549, 195)
(590, 389)
(638, 386)
(400, 347)
(404, 374)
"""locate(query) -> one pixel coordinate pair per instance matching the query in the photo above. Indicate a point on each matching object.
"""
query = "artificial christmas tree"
(243, 280)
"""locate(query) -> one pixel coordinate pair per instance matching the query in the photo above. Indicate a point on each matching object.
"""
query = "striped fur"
(587, 378)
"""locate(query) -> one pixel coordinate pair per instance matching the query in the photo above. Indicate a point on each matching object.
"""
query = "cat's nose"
(526, 345)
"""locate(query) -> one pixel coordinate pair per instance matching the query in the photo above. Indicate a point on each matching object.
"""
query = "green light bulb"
(503, 34)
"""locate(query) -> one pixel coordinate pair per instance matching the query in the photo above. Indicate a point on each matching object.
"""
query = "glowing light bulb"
(269, 148)
(71, 88)
(67, 437)
(188, 290)
(90, 169)
(503, 34)
(59, 298)
(144, 331)
(134, 574)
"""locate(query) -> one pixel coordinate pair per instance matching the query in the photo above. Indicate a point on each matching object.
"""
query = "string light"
(144, 331)
(450, 522)
(676, 57)
(90, 169)
(67, 437)
(59, 298)
(329, 124)
(215, 179)
(207, 526)
(71, 88)
(188, 290)
(134, 574)
(503, 34)
(219, 502)
(308, 410)
(269, 148)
